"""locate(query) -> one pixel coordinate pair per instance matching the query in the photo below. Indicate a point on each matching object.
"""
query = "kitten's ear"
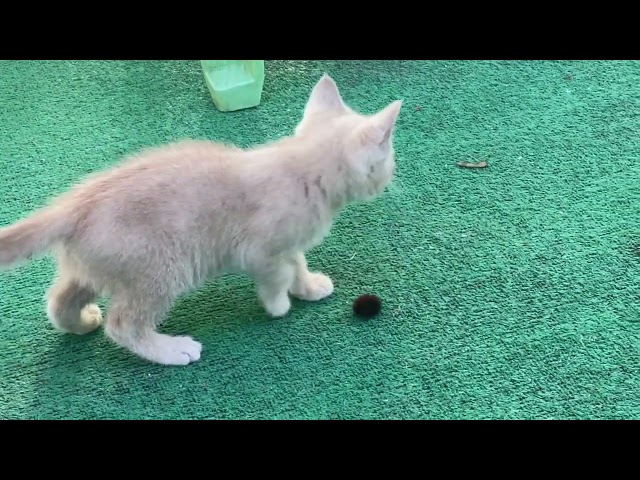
(324, 96)
(379, 127)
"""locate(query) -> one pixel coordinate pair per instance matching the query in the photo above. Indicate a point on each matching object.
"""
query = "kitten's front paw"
(279, 306)
(315, 286)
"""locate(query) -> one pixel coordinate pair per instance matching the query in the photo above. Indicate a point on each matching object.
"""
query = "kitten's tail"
(33, 235)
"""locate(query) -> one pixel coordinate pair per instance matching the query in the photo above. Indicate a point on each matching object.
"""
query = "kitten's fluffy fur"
(170, 218)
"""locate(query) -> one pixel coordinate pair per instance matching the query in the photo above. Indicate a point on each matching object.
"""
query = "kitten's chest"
(313, 234)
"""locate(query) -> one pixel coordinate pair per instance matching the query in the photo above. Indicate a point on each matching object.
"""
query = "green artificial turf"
(509, 292)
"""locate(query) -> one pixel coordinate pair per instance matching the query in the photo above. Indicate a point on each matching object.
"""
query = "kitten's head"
(361, 144)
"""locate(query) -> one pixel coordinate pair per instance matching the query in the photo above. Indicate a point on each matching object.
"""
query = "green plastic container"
(234, 84)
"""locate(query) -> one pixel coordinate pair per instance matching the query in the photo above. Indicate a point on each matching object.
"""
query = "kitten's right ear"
(324, 96)
(378, 128)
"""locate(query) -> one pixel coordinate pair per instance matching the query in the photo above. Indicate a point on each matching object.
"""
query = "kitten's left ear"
(324, 96)
(380, 126)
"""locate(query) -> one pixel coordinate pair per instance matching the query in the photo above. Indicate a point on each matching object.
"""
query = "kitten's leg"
(70, 306)
(132, 325)
(274, 277)
(308, 285)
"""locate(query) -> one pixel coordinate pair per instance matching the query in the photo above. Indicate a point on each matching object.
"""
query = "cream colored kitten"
(168, 219)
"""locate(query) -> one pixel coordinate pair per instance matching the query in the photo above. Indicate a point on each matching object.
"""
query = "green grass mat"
(509, 292)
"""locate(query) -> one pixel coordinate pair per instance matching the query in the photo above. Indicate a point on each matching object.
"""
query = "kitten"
(167, 219)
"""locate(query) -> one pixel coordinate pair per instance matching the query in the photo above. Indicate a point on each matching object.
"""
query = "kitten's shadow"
(226, 302)
(64, 373)
(221, 309)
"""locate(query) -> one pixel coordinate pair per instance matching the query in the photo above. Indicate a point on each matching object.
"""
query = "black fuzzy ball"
(367, 306)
